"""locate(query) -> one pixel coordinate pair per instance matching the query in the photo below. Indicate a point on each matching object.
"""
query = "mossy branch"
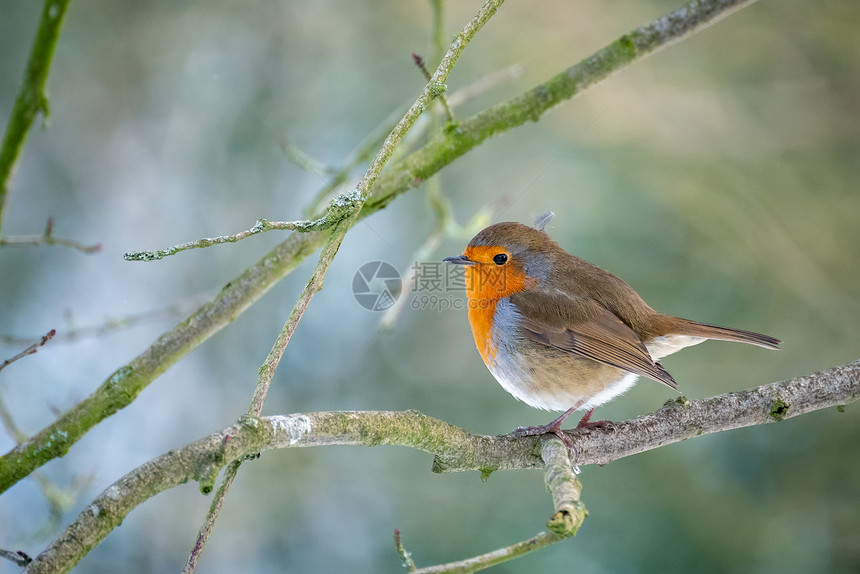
(339, 208)
(127, 382)
(31, 99)
(454, 450)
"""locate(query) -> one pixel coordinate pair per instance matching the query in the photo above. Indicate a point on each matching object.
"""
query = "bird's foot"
(538, 430)
(550, 428)
(587, 423)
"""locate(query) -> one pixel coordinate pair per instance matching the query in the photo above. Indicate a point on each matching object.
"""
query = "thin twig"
(31, 99)
(304, 160)
(5, 415)
(9, 424)
(338, 206)
(419, 61)
(29, 350)
(495, 557)
(211, 516)
(73, 333)
(47, 238)
(485, 83)
(405, 556)
(18, 558)
(312, 287)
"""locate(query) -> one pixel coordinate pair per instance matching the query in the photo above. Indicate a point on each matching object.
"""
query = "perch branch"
(121, 388)
(454, 448)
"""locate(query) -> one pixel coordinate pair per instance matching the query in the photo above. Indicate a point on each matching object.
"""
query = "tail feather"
(696, 329)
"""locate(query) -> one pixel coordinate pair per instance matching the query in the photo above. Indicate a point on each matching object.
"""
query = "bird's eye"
(500, 259)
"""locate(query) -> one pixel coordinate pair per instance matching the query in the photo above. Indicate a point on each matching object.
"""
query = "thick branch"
(682, 419)
(126, 383)
(31, 97)
(454, 448)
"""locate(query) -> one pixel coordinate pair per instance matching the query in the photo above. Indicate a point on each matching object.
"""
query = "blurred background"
(717, 177)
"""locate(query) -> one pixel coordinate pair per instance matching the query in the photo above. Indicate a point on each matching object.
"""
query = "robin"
(562, 334)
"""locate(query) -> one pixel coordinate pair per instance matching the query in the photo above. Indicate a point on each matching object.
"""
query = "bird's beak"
(459, 260)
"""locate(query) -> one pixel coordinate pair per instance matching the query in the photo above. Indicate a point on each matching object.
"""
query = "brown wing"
(588, 330)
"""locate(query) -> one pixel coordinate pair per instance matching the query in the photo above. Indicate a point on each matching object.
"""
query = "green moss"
(779, 409)
(561, 522)
(626, 45)
(250, 422)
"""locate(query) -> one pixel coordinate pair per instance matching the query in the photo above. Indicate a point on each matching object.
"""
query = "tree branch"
(128, 381)
(31, 97)
(327, 221)
(454, 449)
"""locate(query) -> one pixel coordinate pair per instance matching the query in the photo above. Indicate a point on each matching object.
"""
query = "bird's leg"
(554, 427)
(585, 422)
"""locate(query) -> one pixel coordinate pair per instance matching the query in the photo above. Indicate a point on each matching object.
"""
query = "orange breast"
(481, 314)
(486, 284)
